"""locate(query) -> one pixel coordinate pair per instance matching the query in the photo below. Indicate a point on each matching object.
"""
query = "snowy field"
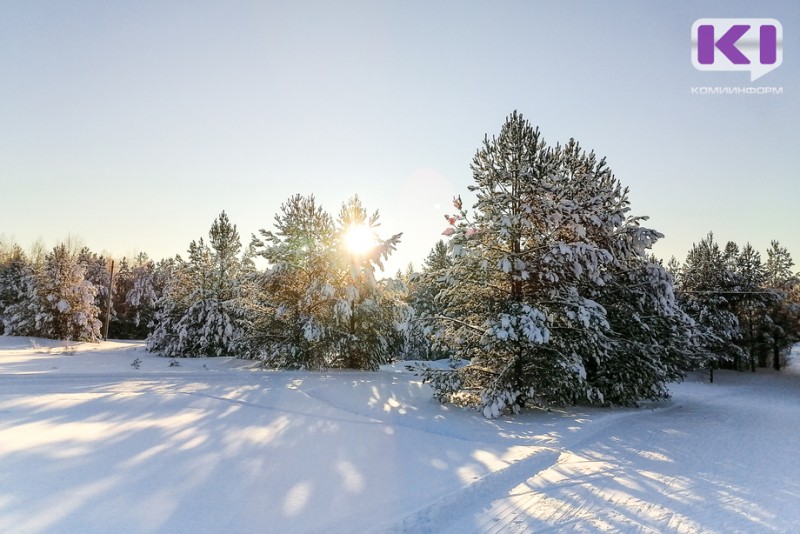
(90, 444)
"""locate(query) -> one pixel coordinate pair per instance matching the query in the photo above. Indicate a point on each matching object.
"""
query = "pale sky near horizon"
(134, 124)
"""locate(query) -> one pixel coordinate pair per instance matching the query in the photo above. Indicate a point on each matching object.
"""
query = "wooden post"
(108, 305)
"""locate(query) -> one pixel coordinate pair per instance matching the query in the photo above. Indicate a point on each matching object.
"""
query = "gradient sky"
(133, 124)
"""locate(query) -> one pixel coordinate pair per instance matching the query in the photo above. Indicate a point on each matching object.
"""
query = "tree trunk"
(776, 358)
(762, 357)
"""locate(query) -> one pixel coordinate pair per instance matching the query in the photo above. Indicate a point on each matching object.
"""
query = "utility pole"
(108, 305)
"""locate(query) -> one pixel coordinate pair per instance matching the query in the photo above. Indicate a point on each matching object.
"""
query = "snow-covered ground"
(90, 444)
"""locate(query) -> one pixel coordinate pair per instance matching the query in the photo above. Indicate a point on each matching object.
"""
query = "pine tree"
(122, 326)
(550, 239)
(97, 272)
(751, 277)
(783, 310)
(297, 293)
(651, 344)
(203, 312)
(320, 304)
(136, 293)
(423, 329)
(779, 266)
(708, 291)
(17, 284)
(366, 313)
(64, 301)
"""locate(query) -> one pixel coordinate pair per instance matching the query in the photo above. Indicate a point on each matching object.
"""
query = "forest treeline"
(545, 292)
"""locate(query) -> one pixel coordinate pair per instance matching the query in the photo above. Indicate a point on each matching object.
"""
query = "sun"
(359, 239)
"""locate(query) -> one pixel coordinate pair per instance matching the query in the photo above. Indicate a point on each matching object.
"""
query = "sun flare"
(359, 239)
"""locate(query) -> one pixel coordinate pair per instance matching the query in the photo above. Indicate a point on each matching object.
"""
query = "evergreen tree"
(550, 239)
(297, 293)
(122, 326)
(708, 291)
(64, 301)
(651, 341)
(779, 266)
(97, 272)
(136, 292)
(17, 284)
(366, 313)
(320, 304)
(783, 310)
(423, 328)
(751, 277)
(203, 312)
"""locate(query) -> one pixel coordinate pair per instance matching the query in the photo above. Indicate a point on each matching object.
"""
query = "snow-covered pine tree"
(296, 294)
(203, 313)
(779, 266)
(405, 344)
(367, 313)
(751, 306)
(651, 344)
(64, 301)
(513, 281)
(647, 343)
(97, 272)
(122, 326)
(17, 283)
(423, 329)
(783, 311)
(320, 304)
(138, 287)
(134, 298)
(730, 259)
(707, 291)
(550, 238)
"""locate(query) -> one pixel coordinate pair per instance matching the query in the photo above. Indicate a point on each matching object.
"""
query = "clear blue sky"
(133, 124)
